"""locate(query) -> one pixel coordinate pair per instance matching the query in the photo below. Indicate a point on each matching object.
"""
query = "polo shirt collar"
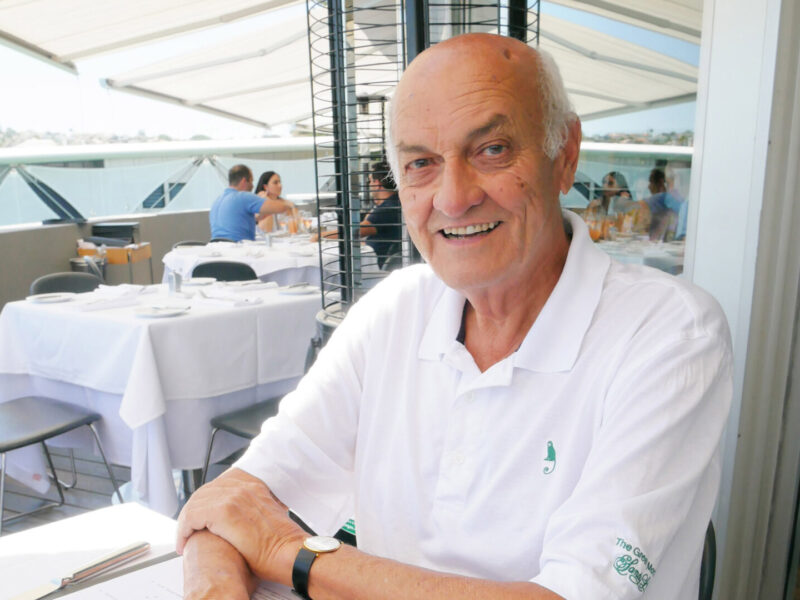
(555, 339)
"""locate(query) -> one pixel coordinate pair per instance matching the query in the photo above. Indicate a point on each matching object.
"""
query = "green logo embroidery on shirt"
(550, 459)
(627, 565)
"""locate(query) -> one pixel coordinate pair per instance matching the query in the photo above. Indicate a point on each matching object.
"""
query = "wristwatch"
(311, 549)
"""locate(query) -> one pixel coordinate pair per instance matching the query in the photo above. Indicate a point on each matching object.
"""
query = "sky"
(38, 96)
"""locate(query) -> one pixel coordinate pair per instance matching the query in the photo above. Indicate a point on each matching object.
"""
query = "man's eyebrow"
(494, 123)
(413, 148)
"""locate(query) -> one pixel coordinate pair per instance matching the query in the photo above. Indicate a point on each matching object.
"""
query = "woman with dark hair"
(269, 186)
(615, 196)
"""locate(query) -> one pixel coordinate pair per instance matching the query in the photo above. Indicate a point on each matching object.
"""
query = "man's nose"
(458, 190)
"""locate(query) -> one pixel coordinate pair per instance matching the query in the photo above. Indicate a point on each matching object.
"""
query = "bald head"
(471, 61)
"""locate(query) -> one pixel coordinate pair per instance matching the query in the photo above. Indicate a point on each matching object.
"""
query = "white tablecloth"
(288, 260)
(666, 257)
(158, 381)
(35, 556)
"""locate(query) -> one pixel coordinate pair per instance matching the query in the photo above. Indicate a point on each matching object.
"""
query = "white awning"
(262, 77)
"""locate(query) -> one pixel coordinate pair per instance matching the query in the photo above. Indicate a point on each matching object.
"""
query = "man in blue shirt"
(234, 214)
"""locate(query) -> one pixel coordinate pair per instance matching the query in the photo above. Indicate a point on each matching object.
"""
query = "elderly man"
(519, 418)
(235, 213)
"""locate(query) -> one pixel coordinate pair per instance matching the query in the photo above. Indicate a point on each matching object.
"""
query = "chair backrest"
(70, 281)
(708, 564)
(188, 243)
(224, 270)
(221, 239)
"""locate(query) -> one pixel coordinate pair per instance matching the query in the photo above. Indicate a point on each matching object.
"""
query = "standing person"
(382, 227)
(269, 186)
(234, 214)
(519, 417)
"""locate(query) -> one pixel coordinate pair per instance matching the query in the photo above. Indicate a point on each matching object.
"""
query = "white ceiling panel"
(262, 77)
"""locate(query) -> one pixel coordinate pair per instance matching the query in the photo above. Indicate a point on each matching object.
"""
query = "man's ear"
(568, 157)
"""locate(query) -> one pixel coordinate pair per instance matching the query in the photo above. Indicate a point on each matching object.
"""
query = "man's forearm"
(212, 568)
(349, 574)
(271, 207)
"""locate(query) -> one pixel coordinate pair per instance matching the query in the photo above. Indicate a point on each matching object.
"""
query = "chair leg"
(105, 461)
(56, 481)
(69, 486)
(47, 503)
(208, 455)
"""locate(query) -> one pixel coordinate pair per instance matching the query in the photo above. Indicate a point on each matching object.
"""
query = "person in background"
(615, 196)
(269, 186)
(382, 227)
(234, 214)
(674, 190)
(664, 208)
(520, 417)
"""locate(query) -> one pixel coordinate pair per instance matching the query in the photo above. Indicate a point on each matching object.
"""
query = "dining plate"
(155, 312)
(299, 290)
(199, 281)
(51, 297)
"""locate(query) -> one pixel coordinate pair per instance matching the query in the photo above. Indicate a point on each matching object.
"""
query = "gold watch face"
(321, 543)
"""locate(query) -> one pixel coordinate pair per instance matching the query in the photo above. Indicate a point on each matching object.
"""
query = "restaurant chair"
(188, 243)
(225, 270)
(393, 261)
(245, 422)
(69, 281)
(708, 564)
(34, 420)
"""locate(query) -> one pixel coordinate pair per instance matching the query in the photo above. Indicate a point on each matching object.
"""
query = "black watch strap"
(302, 566)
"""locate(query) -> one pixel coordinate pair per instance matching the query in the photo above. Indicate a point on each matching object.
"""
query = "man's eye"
(494, 149)
(419, 163)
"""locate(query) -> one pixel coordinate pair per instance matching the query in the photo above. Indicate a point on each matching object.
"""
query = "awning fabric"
(263, 78)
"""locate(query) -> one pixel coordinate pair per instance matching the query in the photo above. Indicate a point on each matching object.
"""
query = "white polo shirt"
(587, 461)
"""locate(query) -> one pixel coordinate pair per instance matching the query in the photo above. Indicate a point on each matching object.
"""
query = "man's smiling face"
(479, 194)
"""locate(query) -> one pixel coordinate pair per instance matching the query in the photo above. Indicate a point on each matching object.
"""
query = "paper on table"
(162, 581)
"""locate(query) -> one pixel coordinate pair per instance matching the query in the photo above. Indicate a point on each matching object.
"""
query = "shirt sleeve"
(636, 519)
(254, 202)
(672, 202)
(305, 454)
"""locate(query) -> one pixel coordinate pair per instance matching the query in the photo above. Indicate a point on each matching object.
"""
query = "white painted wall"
(737, 66)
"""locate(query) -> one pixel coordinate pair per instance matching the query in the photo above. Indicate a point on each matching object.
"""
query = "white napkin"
(101, 303)
(220, 297)
(243, 286)
(118, 291)
(303, 251)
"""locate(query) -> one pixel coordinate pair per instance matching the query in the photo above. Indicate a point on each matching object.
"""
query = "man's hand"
(212, 568)
(243, 511)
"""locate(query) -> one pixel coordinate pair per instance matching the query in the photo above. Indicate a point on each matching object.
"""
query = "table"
(287, 260)
(156, 382)
(666, 257)
(33, 557)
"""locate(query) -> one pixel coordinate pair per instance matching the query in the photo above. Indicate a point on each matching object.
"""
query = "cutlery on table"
(100, 565)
